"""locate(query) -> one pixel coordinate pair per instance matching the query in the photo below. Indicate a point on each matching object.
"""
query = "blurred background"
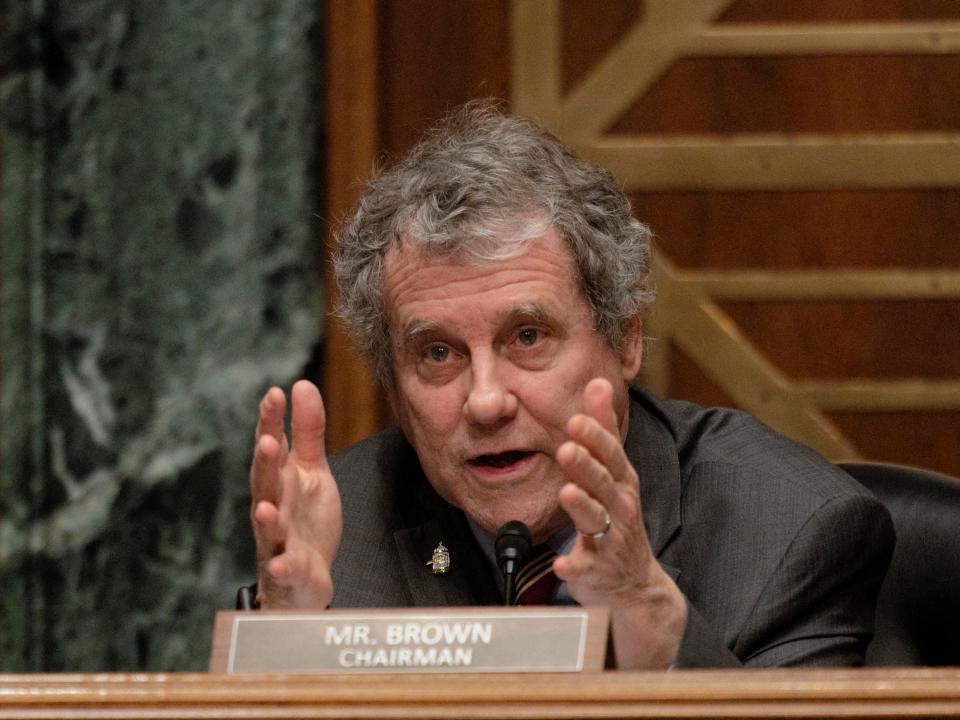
(170, 174)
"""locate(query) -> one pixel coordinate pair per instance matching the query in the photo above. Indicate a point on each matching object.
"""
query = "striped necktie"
(536, 582)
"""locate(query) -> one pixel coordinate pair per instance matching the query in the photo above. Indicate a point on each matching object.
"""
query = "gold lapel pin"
(441, 560)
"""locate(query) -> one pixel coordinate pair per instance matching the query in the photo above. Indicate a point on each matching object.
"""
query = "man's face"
(490, 361)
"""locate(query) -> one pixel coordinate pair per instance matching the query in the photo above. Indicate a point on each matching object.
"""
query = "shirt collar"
(560, 542)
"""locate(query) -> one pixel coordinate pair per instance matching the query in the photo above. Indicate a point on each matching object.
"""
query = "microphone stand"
(513, 546)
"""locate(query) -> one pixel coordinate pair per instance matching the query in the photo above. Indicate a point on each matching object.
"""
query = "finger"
(279, 567)
(575, 564)
(588, 515)
(289, 567)
(586, 472)
(265, 471)
(265, 513)
(296, 580)
(308, 425)
(273, 407)
(268, 530)
(598, 404)
(603, 445)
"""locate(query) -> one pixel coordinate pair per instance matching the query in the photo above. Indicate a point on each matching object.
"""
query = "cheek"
(564, 386)
(429, 415)
(559, 396)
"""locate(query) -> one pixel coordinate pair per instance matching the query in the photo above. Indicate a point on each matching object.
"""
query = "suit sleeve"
(816, 609)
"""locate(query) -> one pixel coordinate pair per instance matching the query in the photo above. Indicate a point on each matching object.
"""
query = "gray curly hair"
(483, 185)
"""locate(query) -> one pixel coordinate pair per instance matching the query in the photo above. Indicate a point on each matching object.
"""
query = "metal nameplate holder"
(418, 640)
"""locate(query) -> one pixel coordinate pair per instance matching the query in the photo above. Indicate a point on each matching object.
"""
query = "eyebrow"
(534, 314)
(530, 313)
(416, 330)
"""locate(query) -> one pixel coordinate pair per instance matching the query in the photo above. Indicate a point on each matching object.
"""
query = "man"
(499, 286)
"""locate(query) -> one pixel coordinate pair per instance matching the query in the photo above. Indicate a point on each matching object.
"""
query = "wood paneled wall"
(799, 164)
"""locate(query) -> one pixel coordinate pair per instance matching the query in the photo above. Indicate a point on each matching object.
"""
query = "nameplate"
(468, 640)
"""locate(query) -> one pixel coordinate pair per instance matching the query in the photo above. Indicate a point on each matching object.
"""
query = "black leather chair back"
(918, 612)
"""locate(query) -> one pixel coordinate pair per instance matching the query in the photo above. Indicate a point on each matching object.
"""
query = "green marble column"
(160, 266)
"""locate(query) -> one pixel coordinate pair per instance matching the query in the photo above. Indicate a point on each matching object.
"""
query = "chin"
(541, 525)
(492, 512)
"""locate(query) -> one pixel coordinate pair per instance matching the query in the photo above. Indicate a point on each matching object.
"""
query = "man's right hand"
(296, 513)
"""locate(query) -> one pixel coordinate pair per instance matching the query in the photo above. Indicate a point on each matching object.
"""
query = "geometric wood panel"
(604, 112)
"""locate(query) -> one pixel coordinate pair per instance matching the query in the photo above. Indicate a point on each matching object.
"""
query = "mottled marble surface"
(161, 265)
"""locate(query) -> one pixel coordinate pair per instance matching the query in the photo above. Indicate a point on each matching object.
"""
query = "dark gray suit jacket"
(779, 554)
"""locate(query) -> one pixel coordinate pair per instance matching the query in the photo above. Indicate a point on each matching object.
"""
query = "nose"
(489, 400)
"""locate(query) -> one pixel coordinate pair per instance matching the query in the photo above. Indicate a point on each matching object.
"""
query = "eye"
(437, 362)
(438, 353)
(529, 336)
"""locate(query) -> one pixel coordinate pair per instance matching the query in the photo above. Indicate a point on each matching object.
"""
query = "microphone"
(513, 547)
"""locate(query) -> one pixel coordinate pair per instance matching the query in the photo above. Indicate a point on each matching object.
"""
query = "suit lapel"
(652, 451)
(470, 580)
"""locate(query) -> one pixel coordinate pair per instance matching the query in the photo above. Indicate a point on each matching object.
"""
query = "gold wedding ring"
(600, 533)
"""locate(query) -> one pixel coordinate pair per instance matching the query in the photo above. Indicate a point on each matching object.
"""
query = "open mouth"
(501, 460)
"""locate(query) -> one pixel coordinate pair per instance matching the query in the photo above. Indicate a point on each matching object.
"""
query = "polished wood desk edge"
(760, 694)
(917, 684)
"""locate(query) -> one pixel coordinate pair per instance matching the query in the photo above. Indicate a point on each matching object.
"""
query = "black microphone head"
(513, 544)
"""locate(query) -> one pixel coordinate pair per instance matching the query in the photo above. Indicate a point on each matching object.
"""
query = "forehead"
(418, 282)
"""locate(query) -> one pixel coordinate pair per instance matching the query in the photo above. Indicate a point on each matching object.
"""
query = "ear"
(631, 350)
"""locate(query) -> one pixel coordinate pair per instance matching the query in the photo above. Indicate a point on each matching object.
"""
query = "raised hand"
(296, 513)
(611, 563)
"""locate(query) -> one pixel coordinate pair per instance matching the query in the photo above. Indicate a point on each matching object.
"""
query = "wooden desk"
(872, 693)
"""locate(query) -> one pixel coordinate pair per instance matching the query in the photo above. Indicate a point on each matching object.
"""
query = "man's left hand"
(616, 568)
